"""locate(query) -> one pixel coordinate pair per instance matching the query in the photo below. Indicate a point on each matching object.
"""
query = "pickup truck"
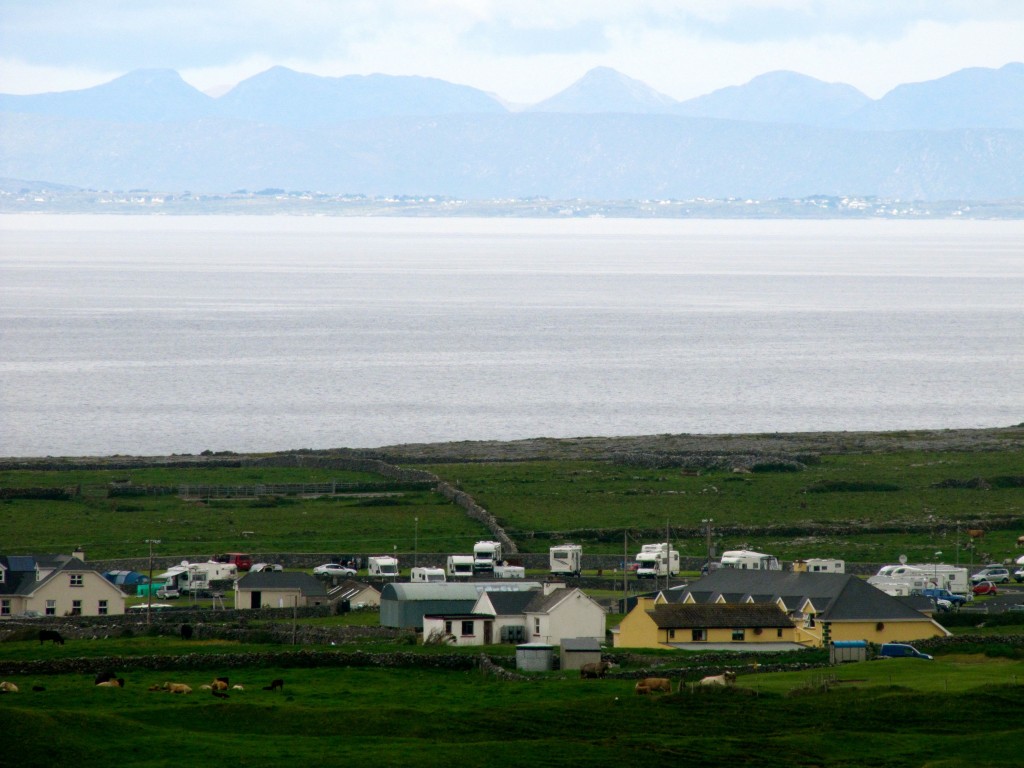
(944, 594)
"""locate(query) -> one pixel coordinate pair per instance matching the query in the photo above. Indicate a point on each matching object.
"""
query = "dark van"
(901, 651)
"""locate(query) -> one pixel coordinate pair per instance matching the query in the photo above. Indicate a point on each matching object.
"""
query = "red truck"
(241, 561)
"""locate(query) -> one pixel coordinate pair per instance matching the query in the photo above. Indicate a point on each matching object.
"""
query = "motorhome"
(924, 576)
(427, 575)
(382, 565)
(746, 560)
(654, 560)
(486, 554)
(198, 578)
(566, 560)
(819, 565)
(459, 566)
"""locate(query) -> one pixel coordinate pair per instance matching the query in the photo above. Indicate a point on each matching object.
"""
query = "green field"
(942, 714)
(859, 507)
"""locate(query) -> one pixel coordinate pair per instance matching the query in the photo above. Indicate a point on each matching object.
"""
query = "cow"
(652, 684)
(104, 677)
(724, 679)
(181, 688)
(186, 631)
(1020, 541)
(594, 669)
(275, 685)
(219, 684)
(6, 687)
(976, 533)
(52, 635)
(117, 682)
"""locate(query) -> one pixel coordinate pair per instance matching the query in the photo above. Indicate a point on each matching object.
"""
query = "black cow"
(52, 635)
(186, 631)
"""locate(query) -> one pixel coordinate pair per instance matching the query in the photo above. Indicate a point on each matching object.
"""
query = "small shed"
(535, 657)
(403, 605)
(577, 651)
(847, 650)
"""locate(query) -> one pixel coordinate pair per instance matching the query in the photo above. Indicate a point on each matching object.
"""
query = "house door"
(257, 600)
(488, 633)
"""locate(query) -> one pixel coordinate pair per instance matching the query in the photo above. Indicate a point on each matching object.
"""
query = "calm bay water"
(148, 334)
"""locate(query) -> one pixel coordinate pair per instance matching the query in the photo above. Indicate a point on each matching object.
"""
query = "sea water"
(155, 334)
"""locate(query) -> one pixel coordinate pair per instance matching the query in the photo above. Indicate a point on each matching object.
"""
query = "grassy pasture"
(539, 503)
(433, 718)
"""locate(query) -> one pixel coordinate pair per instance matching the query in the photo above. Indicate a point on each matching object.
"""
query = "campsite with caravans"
(460, 608)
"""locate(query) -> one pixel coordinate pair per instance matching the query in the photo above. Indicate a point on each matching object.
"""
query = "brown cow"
(976, 533)
(595, 669)
(652, 684)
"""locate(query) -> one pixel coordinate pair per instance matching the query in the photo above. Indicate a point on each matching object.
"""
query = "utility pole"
(416, 543)
(149, 590)
(625, 569)
(707, 523)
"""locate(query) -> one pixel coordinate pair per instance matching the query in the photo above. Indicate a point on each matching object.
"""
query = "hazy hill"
(779, 97)
(605, 90)
(970, 98)
(281, 95)
(607, 136)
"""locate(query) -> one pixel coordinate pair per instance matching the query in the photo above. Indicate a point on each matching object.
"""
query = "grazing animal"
(275, 685)
(181, 688)
(237, 687)
(186, 631)
(115, 683)
(51, 635)
(220, 684)
(6, 687)
(595, 669)
(651, 684)
(724, 679)
(976, 533)
(155, 688)
(1020, 541)
(104, 676)
(205, 687)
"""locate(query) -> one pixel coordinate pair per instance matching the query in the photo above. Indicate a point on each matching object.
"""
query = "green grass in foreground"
(433, 718)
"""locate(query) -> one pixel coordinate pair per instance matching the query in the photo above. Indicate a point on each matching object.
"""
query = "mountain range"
(607, 136)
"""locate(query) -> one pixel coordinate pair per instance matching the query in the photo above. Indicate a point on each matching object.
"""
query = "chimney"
(551, 585)
(79, 553)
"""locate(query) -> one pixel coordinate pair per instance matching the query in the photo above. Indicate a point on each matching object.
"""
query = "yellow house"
(820, 608)
(55, 585)
(696, 626)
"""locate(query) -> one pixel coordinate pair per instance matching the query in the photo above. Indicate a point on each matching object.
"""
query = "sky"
(523, 51)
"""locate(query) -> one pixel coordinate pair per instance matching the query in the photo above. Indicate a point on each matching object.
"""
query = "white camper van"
(427, 575)
(486, 554)
(382, 565)
(744, 559)
(819, 565)
(566, 560)
(460, 566)
(654, 560)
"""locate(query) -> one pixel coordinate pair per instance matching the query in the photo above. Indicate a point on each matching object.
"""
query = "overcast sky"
(521, 50)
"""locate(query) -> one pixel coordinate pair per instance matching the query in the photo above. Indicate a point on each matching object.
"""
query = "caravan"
(460, 566)
(744, 559)
(566, 560)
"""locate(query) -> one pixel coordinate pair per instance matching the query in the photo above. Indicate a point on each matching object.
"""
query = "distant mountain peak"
(603, 89)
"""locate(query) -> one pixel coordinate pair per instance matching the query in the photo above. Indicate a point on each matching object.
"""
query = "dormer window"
(77, 580)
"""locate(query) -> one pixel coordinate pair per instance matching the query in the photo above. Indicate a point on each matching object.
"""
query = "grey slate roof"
(719, 615)
(20, 573)
(510, 603)
(835, 596)
(308, 585)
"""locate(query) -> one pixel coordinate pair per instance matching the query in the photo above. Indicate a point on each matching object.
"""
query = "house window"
(51, 607)
(76, 607)
(671, 634)
(739, 635)
(2, 572)
(467, 629)
(778, 632)
(76, 580)
(699, 635)
(536, 625)
(5, 607)
(102, 609)
(447, 627)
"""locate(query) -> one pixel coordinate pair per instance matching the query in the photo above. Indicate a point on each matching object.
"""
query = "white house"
(55, 585)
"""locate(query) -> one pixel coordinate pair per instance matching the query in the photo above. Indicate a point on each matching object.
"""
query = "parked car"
(260, 567)
(168, 593)
(1018, 575)
(901, 651)
(985, 588)
(997, 574)
(334, 569)
(1018, 608)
